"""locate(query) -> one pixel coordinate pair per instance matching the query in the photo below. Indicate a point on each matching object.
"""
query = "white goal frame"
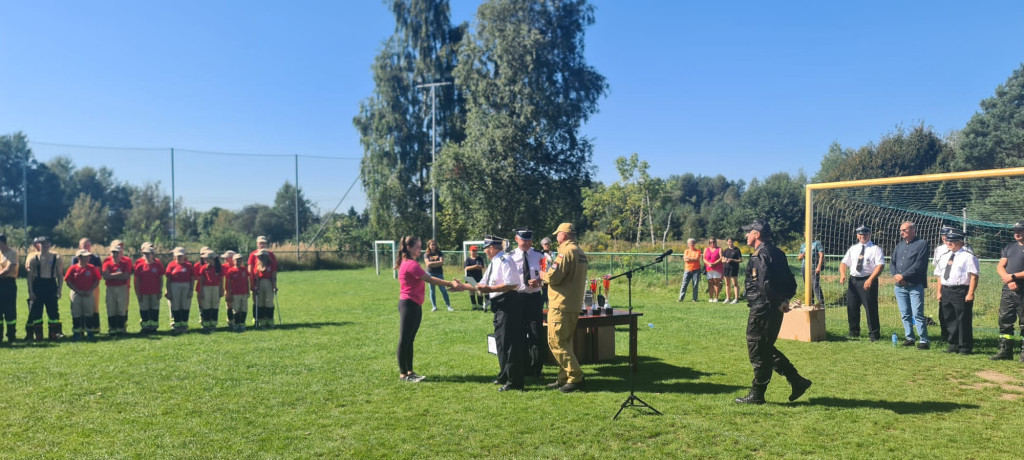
(376, 255)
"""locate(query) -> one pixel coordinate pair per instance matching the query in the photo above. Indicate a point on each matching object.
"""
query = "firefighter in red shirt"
(82, 279)
(179, 290)
(209, 289)
(229, 261)
(236, 280)
(149, 282)
(263, 275)
(117, 272)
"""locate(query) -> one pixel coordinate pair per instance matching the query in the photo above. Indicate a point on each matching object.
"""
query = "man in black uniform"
(1011, 303)
(45, 281)
(530, 298)
(769, 286)
(8, 288)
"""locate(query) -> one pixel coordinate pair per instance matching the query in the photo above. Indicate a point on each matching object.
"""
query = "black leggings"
(409, 313)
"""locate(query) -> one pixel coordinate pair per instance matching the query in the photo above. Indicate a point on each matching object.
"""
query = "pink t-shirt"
(409, 274)
(712, 254)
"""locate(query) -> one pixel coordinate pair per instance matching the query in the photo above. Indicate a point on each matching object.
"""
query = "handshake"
(456, 286)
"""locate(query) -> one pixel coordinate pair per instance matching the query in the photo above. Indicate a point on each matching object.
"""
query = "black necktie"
(860, 261)
(526, 268)
(949, 266)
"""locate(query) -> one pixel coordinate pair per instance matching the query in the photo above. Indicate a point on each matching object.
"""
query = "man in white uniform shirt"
(531, 298)
(864, 262)
(957, 276)
(501, 282)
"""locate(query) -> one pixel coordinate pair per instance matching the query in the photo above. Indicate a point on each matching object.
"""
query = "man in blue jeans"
(909, 268)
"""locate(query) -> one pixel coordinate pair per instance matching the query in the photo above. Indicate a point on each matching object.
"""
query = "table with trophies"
(595, 330)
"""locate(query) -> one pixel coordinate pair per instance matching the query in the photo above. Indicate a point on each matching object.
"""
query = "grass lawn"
(325, 385)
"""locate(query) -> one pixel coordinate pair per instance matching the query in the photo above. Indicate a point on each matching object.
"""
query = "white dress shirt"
(501, 271)
(534, 257)
(964, 264)
(873, 257)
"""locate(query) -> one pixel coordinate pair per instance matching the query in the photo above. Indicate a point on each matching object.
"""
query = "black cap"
(863, 230)
(760, 226)
(491, 240)
(525, 233)
(955, 234)
(945, 230)
(1019, 225)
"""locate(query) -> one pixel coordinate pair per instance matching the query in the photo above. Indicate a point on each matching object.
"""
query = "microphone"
(663, 255)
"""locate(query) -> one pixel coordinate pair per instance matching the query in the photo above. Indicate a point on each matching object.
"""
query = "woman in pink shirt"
(411, 279)
(714, 265)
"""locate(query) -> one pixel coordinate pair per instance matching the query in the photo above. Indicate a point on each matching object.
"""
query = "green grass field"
(324, 385)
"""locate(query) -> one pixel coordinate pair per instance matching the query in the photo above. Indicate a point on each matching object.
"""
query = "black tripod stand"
(633, 400)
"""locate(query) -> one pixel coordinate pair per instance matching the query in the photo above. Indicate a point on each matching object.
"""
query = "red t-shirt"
(270, 272)
(237, 281)
(82, 278)
(124, 265)
(207, 275)
(147, 276)
(179, 273)
(409, 278)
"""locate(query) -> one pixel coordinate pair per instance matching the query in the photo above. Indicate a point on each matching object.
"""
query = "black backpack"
(782, 282)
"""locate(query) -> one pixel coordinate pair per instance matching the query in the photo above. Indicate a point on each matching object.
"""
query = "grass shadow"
(652, 376)
(899, 407)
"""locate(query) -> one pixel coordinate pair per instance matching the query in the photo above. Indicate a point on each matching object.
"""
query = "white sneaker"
(450, 308)
(713, 300)
(433, 309)
(734, 300)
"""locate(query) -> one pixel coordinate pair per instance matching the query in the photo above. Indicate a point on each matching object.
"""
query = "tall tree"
(528, 91)
(284, 206)
(994, 138)
(150, 214)
(45, 199)
(88, 219)
(393, 123)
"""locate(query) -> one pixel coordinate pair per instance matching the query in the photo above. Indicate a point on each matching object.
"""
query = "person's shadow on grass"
(899, 407)
(652, 376)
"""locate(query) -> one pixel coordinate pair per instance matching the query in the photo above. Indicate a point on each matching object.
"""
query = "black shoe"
(510, 387)
(908, 342)
(923, 346)
(753, 397)
(800, 385)
(853, 335)
(570, 387)
(498, 382)
(873, 339)
(554, 385)
(950, 349)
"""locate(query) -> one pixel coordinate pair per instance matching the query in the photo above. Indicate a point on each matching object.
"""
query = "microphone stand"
(633, 400)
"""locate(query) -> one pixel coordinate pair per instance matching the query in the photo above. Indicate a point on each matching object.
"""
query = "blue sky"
(743, 89)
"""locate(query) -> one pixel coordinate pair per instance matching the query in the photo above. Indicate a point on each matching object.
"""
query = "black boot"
(111, 325)
(755, 396)
(56, 331)
(1005, 350)
(799, 385)
(11, 332)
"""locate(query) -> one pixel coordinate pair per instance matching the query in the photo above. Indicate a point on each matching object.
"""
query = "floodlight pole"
(24, 196)
(433, 153)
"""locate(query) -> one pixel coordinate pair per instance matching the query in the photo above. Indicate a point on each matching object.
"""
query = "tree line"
(67, 202)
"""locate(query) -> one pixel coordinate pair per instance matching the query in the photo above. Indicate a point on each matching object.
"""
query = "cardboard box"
(805, 324)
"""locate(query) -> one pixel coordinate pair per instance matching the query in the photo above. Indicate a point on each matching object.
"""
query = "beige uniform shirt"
(567, 278)
(9, 262)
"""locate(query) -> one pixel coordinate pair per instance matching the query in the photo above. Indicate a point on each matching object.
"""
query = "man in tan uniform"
(567, 280)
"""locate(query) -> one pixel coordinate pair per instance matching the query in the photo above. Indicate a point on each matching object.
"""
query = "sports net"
(986, 207)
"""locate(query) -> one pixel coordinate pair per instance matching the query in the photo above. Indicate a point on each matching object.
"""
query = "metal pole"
(433, 153)
(297, 242)
(174, 211)
(24, 196)
(433, 158)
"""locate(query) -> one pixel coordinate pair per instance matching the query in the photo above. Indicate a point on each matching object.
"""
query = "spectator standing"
(817, 261)
(713, 264)
(910, 273)
(435, 267)
(1011, 301)
(957, 278)
(8, 288)
(732, 257)
(474, 266)
(691, 275)
(864, 262)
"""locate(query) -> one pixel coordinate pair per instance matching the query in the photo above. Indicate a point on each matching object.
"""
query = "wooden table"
(618, 317)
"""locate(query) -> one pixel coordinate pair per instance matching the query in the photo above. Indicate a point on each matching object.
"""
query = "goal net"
(984, 203)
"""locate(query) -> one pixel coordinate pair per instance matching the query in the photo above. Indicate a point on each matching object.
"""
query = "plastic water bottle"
(650, 325)
(894, 339)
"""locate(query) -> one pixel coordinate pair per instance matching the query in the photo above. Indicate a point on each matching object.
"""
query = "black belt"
(861, 277)
(955, 286)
